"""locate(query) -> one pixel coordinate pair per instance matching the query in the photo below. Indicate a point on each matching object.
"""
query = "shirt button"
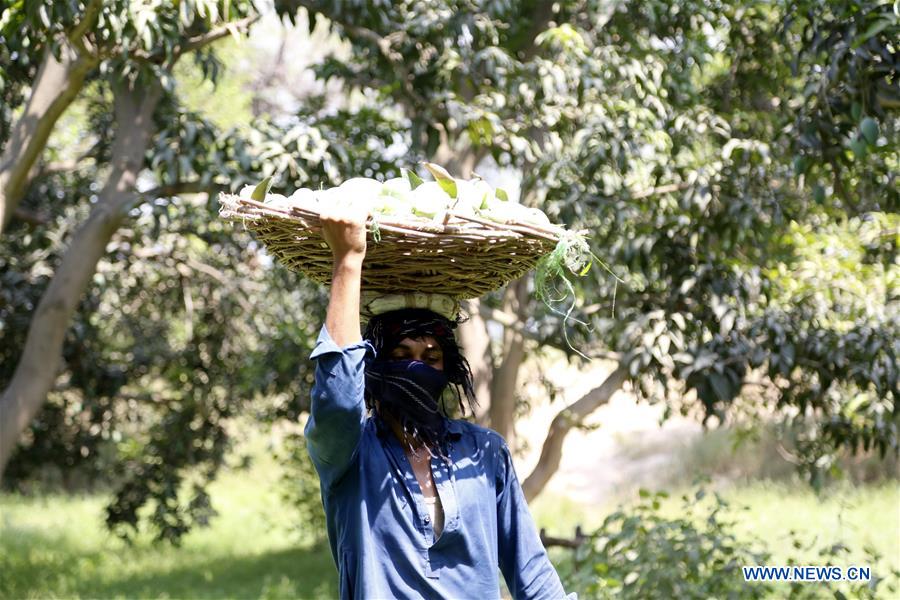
(427, 519)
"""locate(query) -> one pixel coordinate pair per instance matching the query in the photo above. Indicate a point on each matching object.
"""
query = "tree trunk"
(37, 369)
(571, 416)
(57, 84)
(506, 376)
(476, 346)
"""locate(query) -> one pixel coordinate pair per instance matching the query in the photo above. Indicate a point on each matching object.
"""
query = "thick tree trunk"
(57, 84)
(506, 376)
(571, 416)
(475, 342)
(37, 369)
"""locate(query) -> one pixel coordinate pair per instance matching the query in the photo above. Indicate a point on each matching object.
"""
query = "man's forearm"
(342, 318)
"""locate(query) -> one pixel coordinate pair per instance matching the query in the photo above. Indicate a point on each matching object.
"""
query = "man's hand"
(344, 229)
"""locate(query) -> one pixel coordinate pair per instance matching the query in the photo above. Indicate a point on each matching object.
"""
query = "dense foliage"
(641, 551)
(694, 141)
(734, 163)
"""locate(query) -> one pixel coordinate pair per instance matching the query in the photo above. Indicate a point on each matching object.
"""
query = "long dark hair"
(387, 330)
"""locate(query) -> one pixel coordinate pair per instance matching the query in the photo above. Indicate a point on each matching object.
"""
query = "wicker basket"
(461, 256)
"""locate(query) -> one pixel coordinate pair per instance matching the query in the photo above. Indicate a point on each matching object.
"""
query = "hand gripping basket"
(461, 256)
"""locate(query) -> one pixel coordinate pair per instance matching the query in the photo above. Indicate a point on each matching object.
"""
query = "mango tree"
(690, 139)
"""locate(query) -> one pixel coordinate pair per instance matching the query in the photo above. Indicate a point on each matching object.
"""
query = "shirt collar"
(454, 428)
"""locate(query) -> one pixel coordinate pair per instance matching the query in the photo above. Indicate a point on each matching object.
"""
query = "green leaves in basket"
(375, 230)
(572, 254)
(262, 188)
(414, 180)
(501, 194)
(440, 174)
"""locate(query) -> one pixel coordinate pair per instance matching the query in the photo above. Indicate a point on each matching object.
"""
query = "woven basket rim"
(462, 256)
(231, 203)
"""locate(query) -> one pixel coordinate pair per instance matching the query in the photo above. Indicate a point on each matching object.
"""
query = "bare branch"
(658, 191)
(60, 166)
(574, 543)
(183, 187)
(787, 456)
(64, 166)
(193, 43)
(32, 218)
(571, 416)
(199, 41)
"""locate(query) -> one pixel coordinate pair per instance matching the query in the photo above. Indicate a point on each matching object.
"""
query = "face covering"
(410, 390)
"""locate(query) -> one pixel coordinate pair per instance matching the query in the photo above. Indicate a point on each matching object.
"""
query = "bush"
(641, 552)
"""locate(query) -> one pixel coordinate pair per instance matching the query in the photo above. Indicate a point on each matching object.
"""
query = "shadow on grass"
(35, 564)
(293, 573)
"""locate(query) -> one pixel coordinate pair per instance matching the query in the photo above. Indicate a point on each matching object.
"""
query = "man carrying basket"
(417, 504)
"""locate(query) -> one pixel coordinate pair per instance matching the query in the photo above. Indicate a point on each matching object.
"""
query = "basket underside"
(462, 257)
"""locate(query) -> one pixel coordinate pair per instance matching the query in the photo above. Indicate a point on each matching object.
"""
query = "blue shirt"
(379, 528)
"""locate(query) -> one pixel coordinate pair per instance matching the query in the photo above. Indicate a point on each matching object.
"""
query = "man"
(417, 505)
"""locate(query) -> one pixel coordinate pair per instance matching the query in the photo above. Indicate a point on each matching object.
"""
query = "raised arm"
(344, 229)
(338, 408)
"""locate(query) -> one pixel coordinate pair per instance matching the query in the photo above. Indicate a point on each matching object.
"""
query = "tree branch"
(91, 12)
(384, 45)
(574, 543)
(183, 187)
(32, 218)
(57, 85)
(513, 322)
(658, 191)
(199, 41)
(571, 416)
(196, 42)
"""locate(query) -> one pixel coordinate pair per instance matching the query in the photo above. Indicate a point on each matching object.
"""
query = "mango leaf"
(414, 180)
(262, 188)
(447, 183)
(873, 30)
(818, 194)
(859, 148)
(869, 128)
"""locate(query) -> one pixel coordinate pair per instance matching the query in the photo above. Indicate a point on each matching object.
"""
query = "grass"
(56, 547)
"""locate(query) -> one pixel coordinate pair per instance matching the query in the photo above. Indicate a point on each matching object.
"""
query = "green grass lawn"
(56, 547)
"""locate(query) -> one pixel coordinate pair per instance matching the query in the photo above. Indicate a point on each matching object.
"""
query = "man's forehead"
(411, 343)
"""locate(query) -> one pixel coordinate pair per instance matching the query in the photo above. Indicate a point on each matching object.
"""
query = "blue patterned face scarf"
(414, 399)
(410, 391)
